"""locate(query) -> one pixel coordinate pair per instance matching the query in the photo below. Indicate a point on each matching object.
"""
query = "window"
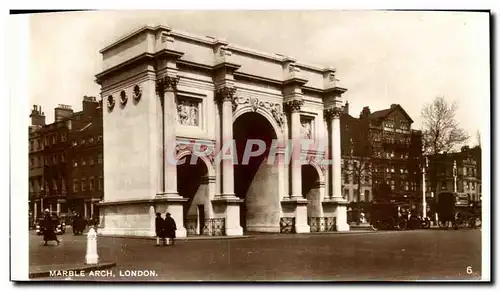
(41, 161)
(32, 147)
(392, 169)
(465, 171)
(401, 170)
(75, 143)
(83, 185)
(63, 137)
(82, 142)
(346, 178)
(367, 195)
(54, 159)
(99, 138)
(63, 157)
(91, 139)
(47, 161)
(91, 184)
(407, 185)
(32, 162)
(393, 184)
(466, 186)
(473, 185)
(83, 162)
(100, 183)
(75, 185)
(91, 160)
(99, 158)
(54, 139)
(75, 163)
(346, 193)
(54, 182)
(392, 154)
(63, 185)
(46, 141)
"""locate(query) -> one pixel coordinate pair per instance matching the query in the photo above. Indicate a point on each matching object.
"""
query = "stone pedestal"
(300, 213)
(231, 208)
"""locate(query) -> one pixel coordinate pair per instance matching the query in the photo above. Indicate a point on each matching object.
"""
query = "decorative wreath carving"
(111, 102)
(123, 98)
(137, 92)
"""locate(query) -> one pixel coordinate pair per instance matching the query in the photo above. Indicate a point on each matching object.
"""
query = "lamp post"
(424, 202)
(455, 176)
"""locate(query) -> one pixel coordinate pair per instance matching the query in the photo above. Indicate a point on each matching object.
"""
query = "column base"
(302, 228)
(234, 231)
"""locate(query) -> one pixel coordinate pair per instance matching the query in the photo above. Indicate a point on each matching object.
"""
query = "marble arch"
(216, 83)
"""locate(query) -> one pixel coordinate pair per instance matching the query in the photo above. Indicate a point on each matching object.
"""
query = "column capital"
(166, 83)
(225, 93)
(332, 113)
(293, 105)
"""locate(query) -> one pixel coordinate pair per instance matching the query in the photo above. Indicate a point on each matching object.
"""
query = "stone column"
(296, 197)
(225, 95)
(333, 117)
(167, 89)
(35, 210)
(91, 209)
(295, 135)
(58, 207)
(169, 126)
(84, 209)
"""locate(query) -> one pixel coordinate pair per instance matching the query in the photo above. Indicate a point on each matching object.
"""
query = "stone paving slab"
(65, 270)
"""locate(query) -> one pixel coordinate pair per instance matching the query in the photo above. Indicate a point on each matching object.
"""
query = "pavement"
(357, 256)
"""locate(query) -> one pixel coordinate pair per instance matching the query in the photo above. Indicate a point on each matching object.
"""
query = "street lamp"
(424, 202)
(454, 176)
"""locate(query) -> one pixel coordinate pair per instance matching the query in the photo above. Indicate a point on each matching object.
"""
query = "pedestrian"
(170, 229)
(49, 228)
(160, 229)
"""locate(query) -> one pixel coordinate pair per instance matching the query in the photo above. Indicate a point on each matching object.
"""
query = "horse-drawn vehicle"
(389, 215)
(457, 210)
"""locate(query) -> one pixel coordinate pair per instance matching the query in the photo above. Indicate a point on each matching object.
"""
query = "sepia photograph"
(254, 146)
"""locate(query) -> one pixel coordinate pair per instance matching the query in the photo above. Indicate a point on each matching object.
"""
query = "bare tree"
(441, 132)
(358, 162)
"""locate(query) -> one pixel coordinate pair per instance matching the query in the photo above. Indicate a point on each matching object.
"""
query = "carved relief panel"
(306, 127)
(188, 111)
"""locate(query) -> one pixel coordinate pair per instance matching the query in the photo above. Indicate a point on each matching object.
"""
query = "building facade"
(167, 92)
(458, 172)
(52, 155)
(380, 148)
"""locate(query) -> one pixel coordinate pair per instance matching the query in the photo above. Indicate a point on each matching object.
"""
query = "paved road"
(406, 255)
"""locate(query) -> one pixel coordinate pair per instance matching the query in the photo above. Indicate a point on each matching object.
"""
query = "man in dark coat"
(170, 228)
(160, 229)
(49, 226)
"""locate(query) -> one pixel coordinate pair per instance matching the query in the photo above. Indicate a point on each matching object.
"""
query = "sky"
(381, 57)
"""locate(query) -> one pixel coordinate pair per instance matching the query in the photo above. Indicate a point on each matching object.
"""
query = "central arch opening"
(257, 181)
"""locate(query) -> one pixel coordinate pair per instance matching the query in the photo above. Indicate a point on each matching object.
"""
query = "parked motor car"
(59, 223)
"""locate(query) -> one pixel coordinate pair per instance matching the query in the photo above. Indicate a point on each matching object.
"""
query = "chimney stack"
(89, 105)
(62, 111)
(394, 106)
(37, 116)
(346, 107)
(366, 111)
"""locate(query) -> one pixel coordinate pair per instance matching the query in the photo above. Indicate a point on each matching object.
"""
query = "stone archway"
(313, 190)
(256, 181)
(193, 184)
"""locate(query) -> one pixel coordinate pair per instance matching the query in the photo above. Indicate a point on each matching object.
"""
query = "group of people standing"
(165, 229)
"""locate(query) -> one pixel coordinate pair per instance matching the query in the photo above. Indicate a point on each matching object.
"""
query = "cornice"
(144, 57)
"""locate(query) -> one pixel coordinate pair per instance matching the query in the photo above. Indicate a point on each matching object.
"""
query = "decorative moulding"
(111, 102)
(123, 98)
(137, 93)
